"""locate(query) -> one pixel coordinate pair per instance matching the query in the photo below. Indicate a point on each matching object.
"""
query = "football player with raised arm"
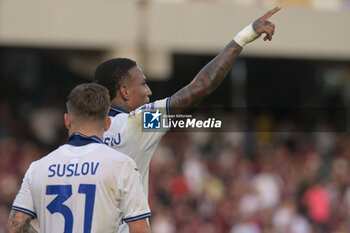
(130, 94)
(83, 186)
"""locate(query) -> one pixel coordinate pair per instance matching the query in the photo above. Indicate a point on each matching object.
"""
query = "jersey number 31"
(63, 192)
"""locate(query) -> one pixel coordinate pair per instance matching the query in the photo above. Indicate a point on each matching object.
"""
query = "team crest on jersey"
(152, 119)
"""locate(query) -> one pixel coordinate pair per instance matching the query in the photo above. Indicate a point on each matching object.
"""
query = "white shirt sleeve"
(148, 137)
(134, 204)
(24, 200)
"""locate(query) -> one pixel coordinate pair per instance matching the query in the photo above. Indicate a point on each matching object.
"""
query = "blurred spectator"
(317, 202)
(46, 123)
(246, 226)
(163, 222)
(268, 185)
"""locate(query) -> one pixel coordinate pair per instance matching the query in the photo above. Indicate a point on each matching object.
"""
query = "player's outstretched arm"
(212, 74)
(19, 222)
(139, 226)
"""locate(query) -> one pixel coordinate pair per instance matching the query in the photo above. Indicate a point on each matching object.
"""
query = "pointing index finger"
(271, 12)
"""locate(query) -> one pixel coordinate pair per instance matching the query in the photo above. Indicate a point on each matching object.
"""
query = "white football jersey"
(128, 135)
(83, 186)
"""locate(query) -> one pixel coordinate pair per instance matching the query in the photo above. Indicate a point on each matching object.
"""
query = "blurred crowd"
(251, 183)
(212, 182)
(26, 135)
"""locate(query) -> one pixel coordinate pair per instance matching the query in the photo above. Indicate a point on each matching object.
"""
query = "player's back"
(83, 189)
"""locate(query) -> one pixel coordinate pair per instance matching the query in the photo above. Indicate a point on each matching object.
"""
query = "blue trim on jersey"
(168, 112)
(31, 213)
(78, 139)
(168, 106)
(115, 110)
(146, 215)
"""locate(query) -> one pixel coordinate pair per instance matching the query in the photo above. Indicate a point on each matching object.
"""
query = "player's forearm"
(206, 81)
(139, 226)
(19, 222)
(216, 70)
(141, 231)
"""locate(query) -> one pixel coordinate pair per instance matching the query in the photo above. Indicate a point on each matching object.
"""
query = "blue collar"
(114, 110)
(78, 139)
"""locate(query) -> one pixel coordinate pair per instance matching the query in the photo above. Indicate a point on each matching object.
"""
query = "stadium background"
(290, 174)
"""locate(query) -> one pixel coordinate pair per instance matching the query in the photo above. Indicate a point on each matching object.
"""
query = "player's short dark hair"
(111, 73)
(89, 101)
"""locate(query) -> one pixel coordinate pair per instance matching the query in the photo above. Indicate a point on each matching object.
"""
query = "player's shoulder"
(115, 161)
(117, 123)
(119, 116)
(46, 159)
(112, 154)
(162, 103)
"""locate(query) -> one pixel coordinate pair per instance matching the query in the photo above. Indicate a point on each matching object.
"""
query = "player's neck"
(86, 132)
(119, 102)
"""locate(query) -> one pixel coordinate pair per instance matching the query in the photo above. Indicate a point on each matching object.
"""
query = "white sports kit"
(126, 135)
(83, 186)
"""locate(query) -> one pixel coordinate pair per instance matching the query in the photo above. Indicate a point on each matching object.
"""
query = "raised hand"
(263, 25)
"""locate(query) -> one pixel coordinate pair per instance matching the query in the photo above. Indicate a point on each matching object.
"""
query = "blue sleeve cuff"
(31, 213)
(146, 215)
(168, 112)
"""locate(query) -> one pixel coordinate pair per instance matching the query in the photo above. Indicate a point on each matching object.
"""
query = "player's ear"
(108, 123)
(67, 120)
(124, 92)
